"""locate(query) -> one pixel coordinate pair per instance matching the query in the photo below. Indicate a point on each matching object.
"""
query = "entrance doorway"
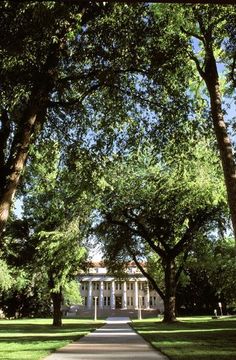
(118, 302)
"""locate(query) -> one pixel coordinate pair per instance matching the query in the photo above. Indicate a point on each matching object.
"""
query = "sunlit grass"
(195, 338)
(35, 338)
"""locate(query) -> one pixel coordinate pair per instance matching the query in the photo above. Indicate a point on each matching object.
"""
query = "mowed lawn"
(35, 338)
(195, 338)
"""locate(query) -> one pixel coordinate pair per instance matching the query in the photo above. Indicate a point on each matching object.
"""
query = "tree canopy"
(107, 91)
(159, 204)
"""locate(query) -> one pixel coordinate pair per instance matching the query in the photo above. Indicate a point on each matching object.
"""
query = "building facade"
(111, 293)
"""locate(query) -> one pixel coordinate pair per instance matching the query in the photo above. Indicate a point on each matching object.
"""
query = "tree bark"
(223, 140)
(15, 167)
(170, 291)
(34, 114)
(57, 313)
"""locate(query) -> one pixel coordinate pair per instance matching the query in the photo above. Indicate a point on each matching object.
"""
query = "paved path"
(115, 340)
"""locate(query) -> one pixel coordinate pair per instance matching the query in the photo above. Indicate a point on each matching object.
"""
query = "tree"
(6, 279)
(209, 276)
(58, 215)
(46, 77)
(31, 75)
(60, 257)
(158, 204)
(206, 29)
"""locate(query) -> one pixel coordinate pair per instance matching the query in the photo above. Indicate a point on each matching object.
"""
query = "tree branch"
(193, 227)
(190, 33)
(77, 101)
(181, 267)
(144, 234)
(146, 274)
(4, 136)
(199, 68)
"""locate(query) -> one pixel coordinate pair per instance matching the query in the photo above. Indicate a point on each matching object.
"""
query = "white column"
(90, 290)
(101, 295)
(124, 295)
(113, 295)
(136, 294)
(147, 298)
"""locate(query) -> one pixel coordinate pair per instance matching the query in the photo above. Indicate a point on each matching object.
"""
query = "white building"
(112, 293)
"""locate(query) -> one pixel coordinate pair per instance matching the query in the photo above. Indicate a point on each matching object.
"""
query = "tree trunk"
(14, 167)
(33, 115)
(57, 313)
(170, 292)
(224, 144)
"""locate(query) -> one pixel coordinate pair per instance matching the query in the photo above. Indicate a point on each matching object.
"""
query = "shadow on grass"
(39, 328)
(201, 340)
(26, 333)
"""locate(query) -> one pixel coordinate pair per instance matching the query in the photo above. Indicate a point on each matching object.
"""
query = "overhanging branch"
(146, 274)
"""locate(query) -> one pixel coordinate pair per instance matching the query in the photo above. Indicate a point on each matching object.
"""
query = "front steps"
(104, 313)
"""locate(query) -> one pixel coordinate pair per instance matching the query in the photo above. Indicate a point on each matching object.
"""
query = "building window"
(141, 286)
(108, 286)
(108, 301)
(132, 286)
(97, 285)
(143, 301)
(105, 301)
(150, 301)
(131, 301)
(118, 286)
(85, 301)
(82, 286)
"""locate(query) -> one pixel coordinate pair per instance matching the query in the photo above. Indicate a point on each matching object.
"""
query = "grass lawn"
(35, 338)
(195, 338)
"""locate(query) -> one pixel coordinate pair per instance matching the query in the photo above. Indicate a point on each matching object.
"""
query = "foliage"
(71, 293)
(182, 184)
(6, 279)
(159, 203)
(60, 255)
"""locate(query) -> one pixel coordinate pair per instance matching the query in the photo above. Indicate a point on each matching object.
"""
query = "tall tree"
(57, 205)
(31, 72)
(207, 28)
(154, 203)
(81, 49)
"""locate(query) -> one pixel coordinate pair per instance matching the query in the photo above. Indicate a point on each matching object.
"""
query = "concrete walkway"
(115, 340)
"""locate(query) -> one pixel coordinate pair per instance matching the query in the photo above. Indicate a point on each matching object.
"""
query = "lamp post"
(220, 306)
(95, 308)
(140, 309)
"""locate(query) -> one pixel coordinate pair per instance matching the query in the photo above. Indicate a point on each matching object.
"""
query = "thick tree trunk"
(15, 167)
(57, 313)
(34, 114)
(223, 140)
(170, 292)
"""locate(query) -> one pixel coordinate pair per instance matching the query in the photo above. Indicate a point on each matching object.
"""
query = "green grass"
(35, 338)
(195, 338)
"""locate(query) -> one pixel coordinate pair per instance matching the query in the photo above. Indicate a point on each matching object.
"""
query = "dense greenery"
(208, 278)
(153, 204)
(82, 101)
